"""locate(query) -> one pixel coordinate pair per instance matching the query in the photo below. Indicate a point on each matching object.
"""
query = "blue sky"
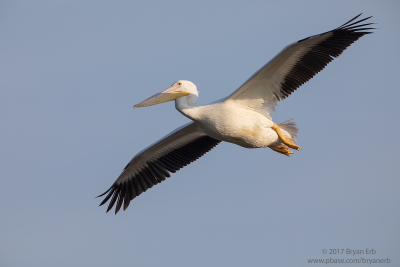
(70, 73)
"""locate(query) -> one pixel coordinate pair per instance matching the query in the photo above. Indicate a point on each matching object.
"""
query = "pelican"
(243, 118)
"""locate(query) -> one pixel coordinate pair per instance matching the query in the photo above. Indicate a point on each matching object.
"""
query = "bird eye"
(179, 83)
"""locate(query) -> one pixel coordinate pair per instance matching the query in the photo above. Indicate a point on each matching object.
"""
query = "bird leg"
(284, 139)
(282, 149)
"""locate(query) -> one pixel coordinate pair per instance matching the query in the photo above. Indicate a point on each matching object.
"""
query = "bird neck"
(186, 108)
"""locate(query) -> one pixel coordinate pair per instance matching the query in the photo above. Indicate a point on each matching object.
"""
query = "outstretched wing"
(154, 164)
(296, 64)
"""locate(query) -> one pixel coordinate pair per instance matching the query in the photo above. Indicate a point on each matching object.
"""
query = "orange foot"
(282, 149)
(285, 140)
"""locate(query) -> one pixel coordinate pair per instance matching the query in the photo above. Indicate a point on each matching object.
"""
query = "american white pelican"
(243, 118)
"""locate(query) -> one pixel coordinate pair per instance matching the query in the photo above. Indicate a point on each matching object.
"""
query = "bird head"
(179, 89)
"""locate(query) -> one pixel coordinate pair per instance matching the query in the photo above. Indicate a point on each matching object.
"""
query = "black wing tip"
(104, 192)
(355, 26)
(350, 27)
(122, 193)
(353, 19)
(117, 193)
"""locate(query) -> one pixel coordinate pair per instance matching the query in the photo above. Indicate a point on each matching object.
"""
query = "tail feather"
(290, 127)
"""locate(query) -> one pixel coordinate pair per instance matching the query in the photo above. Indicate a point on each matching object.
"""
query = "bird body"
(233, 123)
(243, 118)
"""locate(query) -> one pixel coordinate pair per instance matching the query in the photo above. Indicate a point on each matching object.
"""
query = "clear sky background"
(70, 73)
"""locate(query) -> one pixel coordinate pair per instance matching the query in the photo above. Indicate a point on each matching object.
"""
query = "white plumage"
(243, 118)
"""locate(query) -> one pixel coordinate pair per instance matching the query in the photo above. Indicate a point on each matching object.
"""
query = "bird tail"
(290, 127)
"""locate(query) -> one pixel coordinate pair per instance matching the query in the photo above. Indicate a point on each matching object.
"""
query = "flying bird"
(243, 118)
